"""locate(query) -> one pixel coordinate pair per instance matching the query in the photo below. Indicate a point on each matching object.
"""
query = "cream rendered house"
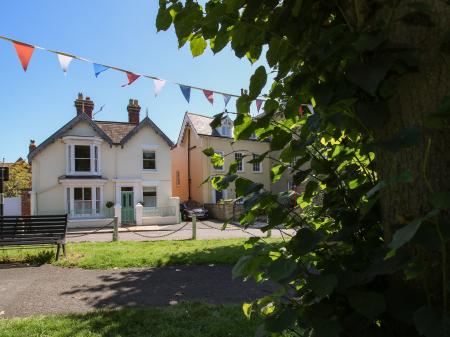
(95, 170)
(191, 167)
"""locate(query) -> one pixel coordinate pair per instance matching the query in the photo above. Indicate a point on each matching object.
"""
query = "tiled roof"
(115, 130)
(201, 125)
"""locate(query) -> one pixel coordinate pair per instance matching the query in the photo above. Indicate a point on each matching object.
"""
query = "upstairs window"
(238, 158)
(256, 166)
(82, 158)
(149, 160)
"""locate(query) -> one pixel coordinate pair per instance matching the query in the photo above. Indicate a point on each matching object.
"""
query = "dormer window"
(226, 129)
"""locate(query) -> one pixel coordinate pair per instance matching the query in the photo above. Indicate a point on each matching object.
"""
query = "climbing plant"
(370, 252)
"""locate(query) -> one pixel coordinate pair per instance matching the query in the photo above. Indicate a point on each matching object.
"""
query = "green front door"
(127, 207)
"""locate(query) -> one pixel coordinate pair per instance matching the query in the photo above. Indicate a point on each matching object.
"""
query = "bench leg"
(57, 251)
(64, 249)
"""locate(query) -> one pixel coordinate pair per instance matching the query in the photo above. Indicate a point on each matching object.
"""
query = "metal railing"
(158, 211)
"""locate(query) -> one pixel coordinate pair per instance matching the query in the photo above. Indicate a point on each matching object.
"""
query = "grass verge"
(186, 319)
(128, 254)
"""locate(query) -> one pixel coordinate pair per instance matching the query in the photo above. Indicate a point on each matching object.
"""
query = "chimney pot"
(84, 105)
(32, 145)
(133, 111)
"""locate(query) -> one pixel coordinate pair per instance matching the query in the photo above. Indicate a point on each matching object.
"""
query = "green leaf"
(282, 320)
(369, 304)
(198, 45)
(440, 200)
(323, 285)
(276, 172)
(209, 151)
(247, 309)
(369, 76)
(404, 177)
(163, 19)
(297, 7)
(241, 268)
(243, 104)
(281, 269)
(327, 328)
(311, 186)
(217, 121)
(257, 82)
(431, 322)
(217, 160)
(243, 126)
(405, 234)
(305, 241)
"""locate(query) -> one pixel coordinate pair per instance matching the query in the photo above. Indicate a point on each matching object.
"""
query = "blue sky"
(120, 33)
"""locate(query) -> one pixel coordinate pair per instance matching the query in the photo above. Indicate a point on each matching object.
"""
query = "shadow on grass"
(187, 320)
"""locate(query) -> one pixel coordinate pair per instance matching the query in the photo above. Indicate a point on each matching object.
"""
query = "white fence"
(13, 206)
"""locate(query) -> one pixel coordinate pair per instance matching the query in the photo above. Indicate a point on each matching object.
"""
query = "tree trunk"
(417, 95)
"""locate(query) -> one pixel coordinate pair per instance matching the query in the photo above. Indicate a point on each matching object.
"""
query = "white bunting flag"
(64, 62)
(159, 84)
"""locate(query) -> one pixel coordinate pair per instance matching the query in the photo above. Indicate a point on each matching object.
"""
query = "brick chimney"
(133, 111)
(84, 105)
(32, 145)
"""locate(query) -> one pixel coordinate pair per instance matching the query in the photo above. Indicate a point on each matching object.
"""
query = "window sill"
(257, 172)
(149, 171)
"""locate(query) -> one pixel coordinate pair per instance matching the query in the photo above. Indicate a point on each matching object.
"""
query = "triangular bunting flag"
(310, 107)
(259, 102)
(159, 84)
(300, 110)
(131, 78)
(186, 91)
(64, 62)
(24, 52)
(99, 68)
(209, 95)
(226, 99)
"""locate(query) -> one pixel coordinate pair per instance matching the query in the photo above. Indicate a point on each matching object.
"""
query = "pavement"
(47, 289)
(206, 230)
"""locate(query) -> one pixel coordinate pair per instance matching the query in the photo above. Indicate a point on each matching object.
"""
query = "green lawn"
(186, 320)
(126, 254)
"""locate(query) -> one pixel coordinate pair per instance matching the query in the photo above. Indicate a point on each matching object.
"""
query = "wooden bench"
(34, 230)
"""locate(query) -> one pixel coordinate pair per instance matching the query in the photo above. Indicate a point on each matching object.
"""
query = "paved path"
(205, 230)
(48, 289)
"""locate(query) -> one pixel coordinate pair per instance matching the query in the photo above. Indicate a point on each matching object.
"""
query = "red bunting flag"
(131, 78)
(209, 95)
(24, 52)
(259, 102)
(300, 110)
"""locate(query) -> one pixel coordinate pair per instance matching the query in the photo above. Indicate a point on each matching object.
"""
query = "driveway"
(48, 289)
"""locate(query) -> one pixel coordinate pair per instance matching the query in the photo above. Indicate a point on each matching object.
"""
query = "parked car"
(187, 211)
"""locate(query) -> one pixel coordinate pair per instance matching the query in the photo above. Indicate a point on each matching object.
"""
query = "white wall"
(12, 206)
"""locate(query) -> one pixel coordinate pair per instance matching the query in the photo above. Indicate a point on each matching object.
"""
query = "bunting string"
(25, 51)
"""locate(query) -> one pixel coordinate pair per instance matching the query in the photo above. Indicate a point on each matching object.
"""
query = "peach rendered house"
(190, 167)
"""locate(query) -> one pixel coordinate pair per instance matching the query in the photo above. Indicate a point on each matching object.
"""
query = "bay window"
(83, 201)
(83, 159)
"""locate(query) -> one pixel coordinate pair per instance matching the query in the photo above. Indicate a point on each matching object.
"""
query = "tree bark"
(417, 95)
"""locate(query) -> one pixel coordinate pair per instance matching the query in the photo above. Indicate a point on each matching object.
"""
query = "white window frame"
(239, 161)
(223, 166)
(259, 165)
(69, 197)
(94, 147)
(156, 158)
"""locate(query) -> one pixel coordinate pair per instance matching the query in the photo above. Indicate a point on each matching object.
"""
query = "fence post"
(115, 236)
(194, 227)
(269, 233)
